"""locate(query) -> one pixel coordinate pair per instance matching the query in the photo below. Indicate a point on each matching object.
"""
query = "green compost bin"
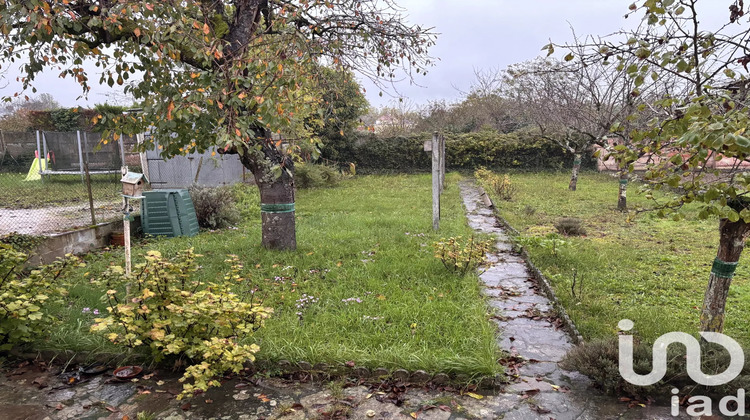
(168, 213)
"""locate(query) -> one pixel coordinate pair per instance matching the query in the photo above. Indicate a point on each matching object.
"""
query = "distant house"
(389, 123)
(725, 163)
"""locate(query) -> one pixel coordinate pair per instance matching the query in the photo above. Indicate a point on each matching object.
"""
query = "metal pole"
(80, 155)
(144, 158)
(88, 184)
(435, 182)
(44, 156)
(39, 152)
(122, 150)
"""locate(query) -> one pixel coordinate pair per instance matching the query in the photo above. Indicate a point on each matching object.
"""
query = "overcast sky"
(473, 34)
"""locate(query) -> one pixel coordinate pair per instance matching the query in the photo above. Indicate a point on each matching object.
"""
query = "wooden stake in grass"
(436, 177)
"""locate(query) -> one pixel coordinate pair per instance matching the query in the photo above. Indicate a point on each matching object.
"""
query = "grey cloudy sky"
(473, 34)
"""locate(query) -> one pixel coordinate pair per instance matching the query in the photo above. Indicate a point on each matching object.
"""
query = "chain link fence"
(54, 182)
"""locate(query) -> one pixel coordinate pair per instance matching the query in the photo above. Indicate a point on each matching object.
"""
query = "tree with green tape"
(703, 122)
(207, 73)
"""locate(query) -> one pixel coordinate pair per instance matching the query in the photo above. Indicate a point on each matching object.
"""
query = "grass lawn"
(653, 271)
(55, 190)
(365, 255)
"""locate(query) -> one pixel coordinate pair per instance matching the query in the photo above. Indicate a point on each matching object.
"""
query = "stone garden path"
(540, 389)
(530, 330)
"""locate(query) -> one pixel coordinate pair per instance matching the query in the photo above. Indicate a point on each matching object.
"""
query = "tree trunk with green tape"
(731, 242)
(576, 168)
(272, 170)
(622, 196)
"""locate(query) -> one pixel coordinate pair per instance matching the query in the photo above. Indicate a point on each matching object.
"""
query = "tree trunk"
(277, 213)
(574, 176)
(276, 193)
(731, 242)
(622, 198)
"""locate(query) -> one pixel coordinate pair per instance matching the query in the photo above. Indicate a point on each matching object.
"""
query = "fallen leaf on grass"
(475, 396)
(186, 406)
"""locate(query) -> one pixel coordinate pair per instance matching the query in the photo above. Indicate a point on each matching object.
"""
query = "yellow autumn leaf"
(475, 396)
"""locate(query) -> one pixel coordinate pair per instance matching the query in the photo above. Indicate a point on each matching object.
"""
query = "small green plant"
(461, 256)
(23, 297)
(570, 226)
(176, 315)
(551, 241)
(501, 186)
(214, 206)
(21, 242)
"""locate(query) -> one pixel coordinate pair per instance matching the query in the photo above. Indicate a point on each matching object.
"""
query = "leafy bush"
(459, 256)
(311, 175)
(570, 226)
(518, 150)
(21, 242)
(500, 186)
(214, 206)
(23, 297)
(175, 315)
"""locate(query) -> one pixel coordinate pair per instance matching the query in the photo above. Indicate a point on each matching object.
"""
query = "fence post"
(39, 153)
(88, 183)
(435, 182)
(442, 163)
(44, 156)
(122, 150)
(80, 155)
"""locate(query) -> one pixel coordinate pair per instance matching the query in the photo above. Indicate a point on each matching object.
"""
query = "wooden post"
(442, 163)
(126, 233)
(126, 230)
(435, 182)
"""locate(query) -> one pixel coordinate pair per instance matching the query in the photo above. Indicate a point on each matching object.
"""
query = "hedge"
(463, 152)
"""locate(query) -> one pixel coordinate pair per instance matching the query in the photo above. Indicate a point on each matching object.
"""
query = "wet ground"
(532, 337)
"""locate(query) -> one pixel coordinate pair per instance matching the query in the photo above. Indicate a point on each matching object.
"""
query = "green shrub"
(23, 297)
(214, 206)
(518, 151)
(459, 256)
(599, 360)
(176, 315)
(500, 186)
(570, 226)
(311, 175)
(21, 242)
